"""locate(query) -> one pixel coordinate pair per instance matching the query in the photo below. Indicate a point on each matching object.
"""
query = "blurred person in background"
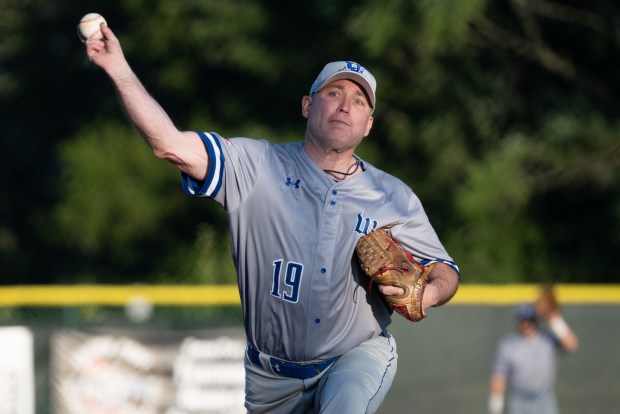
(523, 372)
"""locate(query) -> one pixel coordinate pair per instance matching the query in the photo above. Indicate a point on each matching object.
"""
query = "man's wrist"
(430, 296)
(558, 325)
(496, 404)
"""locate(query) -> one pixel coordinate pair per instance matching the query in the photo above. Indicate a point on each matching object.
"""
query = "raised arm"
(563, 332)
(183, 149)
(548, 308)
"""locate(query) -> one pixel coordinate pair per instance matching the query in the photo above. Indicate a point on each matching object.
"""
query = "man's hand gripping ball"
(387, 263)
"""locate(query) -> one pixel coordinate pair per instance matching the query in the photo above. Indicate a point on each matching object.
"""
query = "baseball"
(89, 27)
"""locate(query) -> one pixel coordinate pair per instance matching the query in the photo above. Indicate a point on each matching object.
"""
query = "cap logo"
(355, 67)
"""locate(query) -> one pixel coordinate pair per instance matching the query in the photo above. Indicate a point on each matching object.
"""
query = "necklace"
(357, 166)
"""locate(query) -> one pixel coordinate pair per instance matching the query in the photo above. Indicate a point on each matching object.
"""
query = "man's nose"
(344, 106)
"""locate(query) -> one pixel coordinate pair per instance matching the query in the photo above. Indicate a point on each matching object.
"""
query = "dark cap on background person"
(525, 312)
(347, 70)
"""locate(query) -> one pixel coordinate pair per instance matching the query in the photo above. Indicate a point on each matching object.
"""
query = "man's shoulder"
(269, 144)
(384, 178)
(511, 339)
(262, 143)
(287, 146)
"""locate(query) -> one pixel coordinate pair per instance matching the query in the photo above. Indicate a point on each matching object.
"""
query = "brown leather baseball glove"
(386, 262)
(546, 304)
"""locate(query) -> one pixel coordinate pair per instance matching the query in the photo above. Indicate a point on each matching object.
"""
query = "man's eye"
(334, 93)
(359, 102)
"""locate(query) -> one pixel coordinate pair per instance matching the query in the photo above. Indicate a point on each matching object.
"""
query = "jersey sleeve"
(419, 237)
(234, 165)
(213, 181)
(501, 360)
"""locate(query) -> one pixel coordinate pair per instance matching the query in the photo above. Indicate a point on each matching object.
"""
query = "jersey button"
(334, 192)
(323, 270)
(317, 320)
(333, 203)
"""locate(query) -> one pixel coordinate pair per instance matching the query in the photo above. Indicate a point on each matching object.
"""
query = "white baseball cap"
(347, 70)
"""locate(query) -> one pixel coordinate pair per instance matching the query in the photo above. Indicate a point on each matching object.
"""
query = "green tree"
(505, 124)
(501, 115)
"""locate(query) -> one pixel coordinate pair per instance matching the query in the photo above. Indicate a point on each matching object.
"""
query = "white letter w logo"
(365, 225)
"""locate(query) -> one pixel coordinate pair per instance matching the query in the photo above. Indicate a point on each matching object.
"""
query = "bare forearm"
(563, 332)
(183, 149)
(442, 285)
(497, 393)
(144, 112)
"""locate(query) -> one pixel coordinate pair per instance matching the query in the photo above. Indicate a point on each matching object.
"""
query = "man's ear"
(369, 126)
(306, 101)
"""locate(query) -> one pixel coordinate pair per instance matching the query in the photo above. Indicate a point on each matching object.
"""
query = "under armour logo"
(289, 182)
(276, 367)
(365, 225)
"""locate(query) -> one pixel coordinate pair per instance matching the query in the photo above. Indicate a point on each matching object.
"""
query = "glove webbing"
(384, 269)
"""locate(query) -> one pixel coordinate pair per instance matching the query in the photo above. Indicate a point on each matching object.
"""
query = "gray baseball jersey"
(528, 363)
(293, 232)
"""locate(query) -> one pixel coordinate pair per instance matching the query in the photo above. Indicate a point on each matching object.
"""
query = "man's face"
(339, 115)
(526, 327)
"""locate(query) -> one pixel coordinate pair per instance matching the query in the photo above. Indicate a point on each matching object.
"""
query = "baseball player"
(317, 333)
(524, 368)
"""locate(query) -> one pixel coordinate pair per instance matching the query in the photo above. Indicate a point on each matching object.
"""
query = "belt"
(529, 395)
(289, 369)
(385, 334)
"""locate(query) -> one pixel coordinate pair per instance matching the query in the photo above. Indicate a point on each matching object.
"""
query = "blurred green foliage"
(501, 115)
